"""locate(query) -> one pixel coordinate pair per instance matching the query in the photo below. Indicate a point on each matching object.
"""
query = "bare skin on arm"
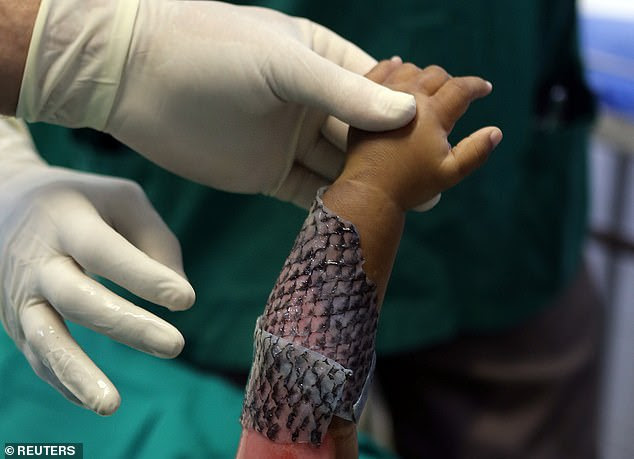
(385, 175)
(17, 18)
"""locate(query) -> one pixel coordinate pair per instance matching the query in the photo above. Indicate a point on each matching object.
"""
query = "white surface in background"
(603, 167)
(618, 9)
(617, 414)
(619, 387)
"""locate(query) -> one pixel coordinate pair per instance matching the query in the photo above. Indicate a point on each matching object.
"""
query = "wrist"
(75, 60)
(379, 220)
(352, 198)
(343, 435)
(16, 26)
(363, 203)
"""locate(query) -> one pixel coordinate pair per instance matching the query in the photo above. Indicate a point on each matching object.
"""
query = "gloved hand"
(233, 97)
(58, 228)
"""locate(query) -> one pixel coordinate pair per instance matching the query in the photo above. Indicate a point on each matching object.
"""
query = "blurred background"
(607, 38)
(200, 418)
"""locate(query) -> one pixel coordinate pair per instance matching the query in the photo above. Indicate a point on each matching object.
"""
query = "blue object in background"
(608, 50)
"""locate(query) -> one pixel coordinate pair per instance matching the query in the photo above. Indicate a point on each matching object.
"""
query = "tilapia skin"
(314, 343)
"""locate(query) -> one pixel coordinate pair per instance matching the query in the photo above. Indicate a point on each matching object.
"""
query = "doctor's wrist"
(17, 18)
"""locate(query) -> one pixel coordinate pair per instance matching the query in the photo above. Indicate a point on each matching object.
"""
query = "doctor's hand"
(59, 228)
(233, 97)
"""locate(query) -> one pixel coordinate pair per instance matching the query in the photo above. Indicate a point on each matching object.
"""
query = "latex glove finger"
(322, 40)
(471, 153)
(336, 131)
(51, 343)
(323, 159)
(337, 49)
(346, 54)
(83, 300)
(101, 250)
(300, 186)
(424, 207)
(137, 221)
(456, 95)
(322, 84)
(47, 375)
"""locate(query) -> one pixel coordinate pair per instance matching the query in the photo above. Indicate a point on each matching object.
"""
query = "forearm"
(379, 223)
(321, 321)
(17, 18)
(378, 220)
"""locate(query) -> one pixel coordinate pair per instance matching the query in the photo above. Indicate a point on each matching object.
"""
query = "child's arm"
(389, 173)
(315, 341)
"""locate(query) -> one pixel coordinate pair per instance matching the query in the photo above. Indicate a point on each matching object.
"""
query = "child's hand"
(413, 164)
(385, 174)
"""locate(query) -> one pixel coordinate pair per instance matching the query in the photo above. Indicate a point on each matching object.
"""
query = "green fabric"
(168, 410)
(496, 248)
(507, 239)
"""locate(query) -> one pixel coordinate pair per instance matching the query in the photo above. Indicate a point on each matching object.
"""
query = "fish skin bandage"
(314, 344)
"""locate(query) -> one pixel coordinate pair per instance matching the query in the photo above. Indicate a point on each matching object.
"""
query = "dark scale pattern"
(292, 392)
(323, 301)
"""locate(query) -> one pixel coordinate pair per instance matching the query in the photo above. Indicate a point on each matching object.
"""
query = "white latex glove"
(57, 227)
(232, 97)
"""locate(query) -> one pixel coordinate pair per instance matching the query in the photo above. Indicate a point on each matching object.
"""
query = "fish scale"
(314, 343)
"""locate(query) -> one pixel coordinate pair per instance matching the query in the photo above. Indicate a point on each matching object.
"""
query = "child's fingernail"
(397, 59)
(496, 137)
(490, 85)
